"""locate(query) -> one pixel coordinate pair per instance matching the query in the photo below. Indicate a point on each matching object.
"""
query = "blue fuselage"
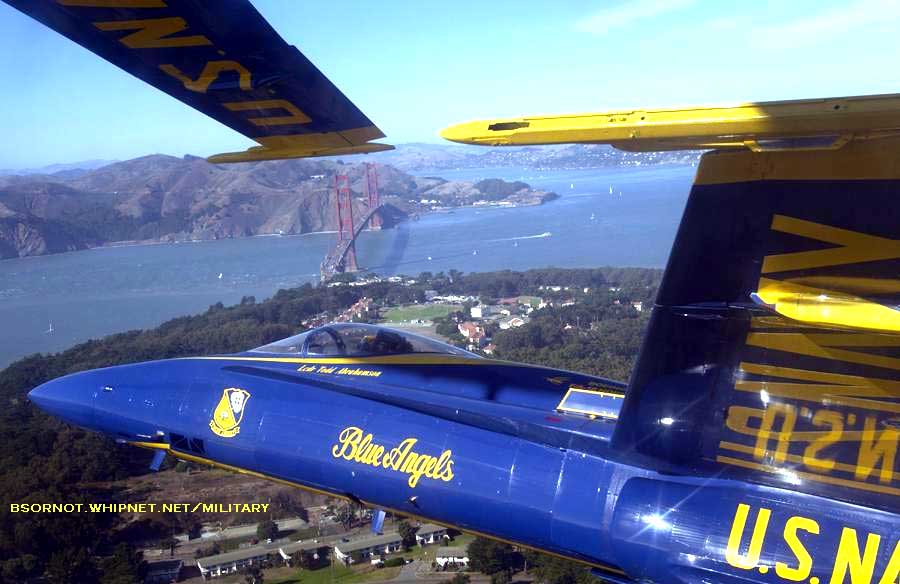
(481, 445)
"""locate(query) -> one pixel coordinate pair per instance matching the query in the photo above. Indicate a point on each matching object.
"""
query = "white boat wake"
(538, 236)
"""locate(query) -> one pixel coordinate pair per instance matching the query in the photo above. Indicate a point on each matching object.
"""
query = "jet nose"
(70, 398)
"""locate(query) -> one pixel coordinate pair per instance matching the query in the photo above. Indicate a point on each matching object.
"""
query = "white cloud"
(602, 21)
(824, 26)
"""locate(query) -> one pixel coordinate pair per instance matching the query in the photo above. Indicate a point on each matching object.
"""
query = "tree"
(71, 566)
(504, 577)
(291, 503)
(305, 559)
(552, 570)
(19, 569)
(346, 514)
(266, 530)
(459, 578)
(490, 557)
(407, 534)
(169, 543)
(125, 566)
(252, 575)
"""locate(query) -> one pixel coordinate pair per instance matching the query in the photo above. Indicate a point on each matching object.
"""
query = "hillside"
(164, 198)
(436, 157)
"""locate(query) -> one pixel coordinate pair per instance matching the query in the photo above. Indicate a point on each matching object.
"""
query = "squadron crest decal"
(226, 420)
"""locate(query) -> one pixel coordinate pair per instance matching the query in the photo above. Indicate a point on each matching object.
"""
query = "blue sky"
(415, 67)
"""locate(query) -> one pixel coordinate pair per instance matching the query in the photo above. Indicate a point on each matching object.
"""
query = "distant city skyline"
(414, 71)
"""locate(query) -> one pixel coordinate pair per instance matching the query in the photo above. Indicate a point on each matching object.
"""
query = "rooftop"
(451, 552)
(430, 528)
(347, 547)
(290, 548)
(237, 555)
(164, 566)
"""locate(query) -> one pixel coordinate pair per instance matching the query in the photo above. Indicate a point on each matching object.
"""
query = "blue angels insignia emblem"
(226, 420)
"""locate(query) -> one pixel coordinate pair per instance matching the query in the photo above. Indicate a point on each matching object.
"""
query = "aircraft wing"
(808, 123)
(223, 59)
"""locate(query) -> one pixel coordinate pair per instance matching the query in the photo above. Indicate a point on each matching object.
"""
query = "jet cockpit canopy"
(359, 340)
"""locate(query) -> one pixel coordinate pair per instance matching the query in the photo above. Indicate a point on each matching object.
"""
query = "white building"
(364, 549)
(512, 322)
(288, 550)
(452, 557)
(231, 562)
(163, 572)
(431, 533)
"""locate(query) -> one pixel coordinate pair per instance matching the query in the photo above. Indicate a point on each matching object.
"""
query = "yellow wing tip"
(811, 124)
(481, 132)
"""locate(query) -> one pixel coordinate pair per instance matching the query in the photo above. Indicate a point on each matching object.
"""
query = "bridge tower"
(344, 202)
(374, 196)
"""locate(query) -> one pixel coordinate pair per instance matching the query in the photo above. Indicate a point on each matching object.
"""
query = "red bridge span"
(342, 257)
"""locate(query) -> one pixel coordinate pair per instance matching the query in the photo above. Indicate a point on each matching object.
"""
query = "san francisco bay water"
(89, 294)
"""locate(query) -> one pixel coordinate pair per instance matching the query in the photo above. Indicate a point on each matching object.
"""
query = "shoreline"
(153, 242)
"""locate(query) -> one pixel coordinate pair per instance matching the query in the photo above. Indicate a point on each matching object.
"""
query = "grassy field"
(428, 552)
(419, 312)
(341, 574)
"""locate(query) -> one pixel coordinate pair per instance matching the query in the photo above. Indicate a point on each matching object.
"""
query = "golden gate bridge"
(342, 257)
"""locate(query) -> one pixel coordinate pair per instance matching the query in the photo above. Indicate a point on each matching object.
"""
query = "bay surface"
(89, 294)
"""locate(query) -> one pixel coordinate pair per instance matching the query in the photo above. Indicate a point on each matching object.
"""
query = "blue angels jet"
(757, 438)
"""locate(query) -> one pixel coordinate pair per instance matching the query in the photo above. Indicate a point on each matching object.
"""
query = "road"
(249, 530)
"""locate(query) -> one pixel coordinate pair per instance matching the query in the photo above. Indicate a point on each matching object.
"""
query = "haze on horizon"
(414, 72)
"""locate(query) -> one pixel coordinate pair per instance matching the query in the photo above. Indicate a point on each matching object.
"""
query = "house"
(163, 572)
(477, 311)
(287, 551)
(431, 533)
(363, 308)
(430, 295)
(364, 549)
(470, 330)
(512, 322)
(452, 557)
(489, 349)
(231, 562)
(639, 306)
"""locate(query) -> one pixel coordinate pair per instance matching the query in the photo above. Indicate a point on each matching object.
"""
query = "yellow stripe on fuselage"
(374, 360)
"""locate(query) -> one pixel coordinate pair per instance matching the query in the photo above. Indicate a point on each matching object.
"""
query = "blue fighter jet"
(757, 438)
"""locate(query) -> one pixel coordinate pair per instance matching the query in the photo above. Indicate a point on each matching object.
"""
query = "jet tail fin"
(773, 352)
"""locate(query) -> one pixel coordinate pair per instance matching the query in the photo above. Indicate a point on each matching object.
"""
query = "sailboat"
(49, 330)
(610, 189)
